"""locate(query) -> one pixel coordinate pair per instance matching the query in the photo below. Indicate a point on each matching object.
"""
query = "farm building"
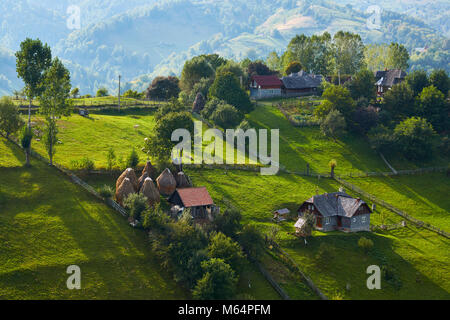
(338, 211)
(300, 84)
(386, 79)
(196, 199)
(263, 87)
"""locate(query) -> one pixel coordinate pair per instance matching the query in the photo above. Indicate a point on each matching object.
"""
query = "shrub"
(102, 92)
(110, 159)
(136, 203)
(365, 244)
(226, 116)
(106, 192)
(133, 159)
(228, 222)
(154, 218)
(333, 125)
(218, 282)
(252, 240)
(84, 164)
(223, 247)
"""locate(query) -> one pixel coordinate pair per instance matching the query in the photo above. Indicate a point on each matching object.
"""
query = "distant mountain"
(141, 39)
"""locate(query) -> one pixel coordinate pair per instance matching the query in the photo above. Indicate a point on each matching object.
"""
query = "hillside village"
(362, 179)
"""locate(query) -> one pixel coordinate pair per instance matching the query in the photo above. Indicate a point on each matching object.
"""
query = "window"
(363, 219)
(354, 220)
(327, 220)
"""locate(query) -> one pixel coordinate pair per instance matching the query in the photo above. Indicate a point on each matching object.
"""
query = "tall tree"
(348, 52)
(226, 87)
(274, 62)
(194, 70)
(417, 80)
(439, 78)
(435, 108)
(32, 60)
(362, 85)
(399, 102)
(398, 56)
(54, 101)
(163, 88)
(10, 121)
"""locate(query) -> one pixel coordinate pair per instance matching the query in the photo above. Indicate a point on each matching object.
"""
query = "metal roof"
(336, 204)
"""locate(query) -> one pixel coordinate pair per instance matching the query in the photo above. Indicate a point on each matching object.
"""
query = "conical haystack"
(150, 169)
(166, 183)
(129, 173)
(182, 180)
(149, 190)
(124, 190)
(142, 179)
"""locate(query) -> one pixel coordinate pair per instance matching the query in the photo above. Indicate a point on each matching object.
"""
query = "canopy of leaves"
(414, 137)
(362, 85)
(10, 120)
(226, 116)
(193, 70)
(417, 80)
(293, 67)
(163, 88)
(399, 102)
(218, 282)
(220, 246)
(435, 108)
(226, 87)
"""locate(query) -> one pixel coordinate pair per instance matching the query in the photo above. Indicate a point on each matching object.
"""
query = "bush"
(155, 219)
(102, 92)
(218, 282)
(133, 159)
(226, 116)
(251, 239)
(333, 125)
(106, 192)
(221, 246)
(365, 244)
(229, 222)
(84, 164)
(136, 203)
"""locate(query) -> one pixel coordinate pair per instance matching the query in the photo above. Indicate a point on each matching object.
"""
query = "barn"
(338, 211)
(387, 78)
(300, 84)
(264, 87)
(197, 200)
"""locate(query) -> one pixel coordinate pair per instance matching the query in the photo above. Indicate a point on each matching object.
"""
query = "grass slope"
(47, 223)
(425, 196)
(420, 258)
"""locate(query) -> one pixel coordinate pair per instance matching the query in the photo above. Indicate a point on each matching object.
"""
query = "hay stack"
(142, 179)
(150, 169)
(182, 180)
(129, 173)
(149, 190)
(166, 183)
(124, 190)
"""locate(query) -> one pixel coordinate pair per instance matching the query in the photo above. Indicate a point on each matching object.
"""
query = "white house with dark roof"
(338, 211)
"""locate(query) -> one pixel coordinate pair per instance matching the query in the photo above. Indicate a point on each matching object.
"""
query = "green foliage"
(364, 119)
(110, 159)
(310, 221)
(252, 240)
(226, 87)
(32, 60)
(155, 218)
(362, 85)
(414, 137)
(229, 222)
(10, 120)
(274, 62)
(381, 138)
(293, 67)
(50, 138)
(84, 164)
(399, 102)
(218, 282)
(26, 137)
(232, 67)
(132, 159)
(133, 94)
(434, 107)
(226, 116)
(338, 98)
(398, 56)
(223, 247)
(163, 88)
(137, 203)
(440, 79)
(333, 125)
(106, 192)
(417, 80)
(194, 70)
(365, 244)
(102, 92)
(348, 52)
(75, 93)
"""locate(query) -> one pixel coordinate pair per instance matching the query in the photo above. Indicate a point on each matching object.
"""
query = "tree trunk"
(332, 172)
(29, 112)
(27, 157)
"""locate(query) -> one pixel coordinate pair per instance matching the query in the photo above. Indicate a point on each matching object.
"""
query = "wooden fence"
(401, 213)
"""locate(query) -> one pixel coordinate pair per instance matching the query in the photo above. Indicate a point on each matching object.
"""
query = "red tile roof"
(194, 197)
(268, 81)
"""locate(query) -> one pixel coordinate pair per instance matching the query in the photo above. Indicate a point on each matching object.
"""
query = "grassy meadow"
(423, 196)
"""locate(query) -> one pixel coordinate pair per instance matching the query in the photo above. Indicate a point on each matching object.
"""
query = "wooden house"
(300, 84)
(338, 211)
(197, 200)
(388, 78)
(263, 87)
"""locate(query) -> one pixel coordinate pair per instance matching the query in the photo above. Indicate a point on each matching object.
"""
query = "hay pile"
(199, 103)
(129, 173)
(124, 190)
(149, 190)
(166, 183)
(182, 180)
(150, 170)
(142, 179)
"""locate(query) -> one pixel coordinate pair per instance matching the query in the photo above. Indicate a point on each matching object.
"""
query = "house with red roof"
(197, 200)
(264, 87)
